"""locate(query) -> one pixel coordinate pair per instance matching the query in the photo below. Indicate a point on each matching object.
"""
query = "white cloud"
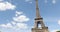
(13, 23)
(15, 30)
(8, 25)
(21, 18)
(17, 21)
(6, 5)
(59, 22)
(18, 13)
(21, 25)
(53, 1)
(18, 24)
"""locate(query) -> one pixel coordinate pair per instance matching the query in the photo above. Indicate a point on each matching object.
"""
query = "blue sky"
(19, 15)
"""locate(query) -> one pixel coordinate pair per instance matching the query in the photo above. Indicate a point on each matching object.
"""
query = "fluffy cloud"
(8, 25)
(17, 22)
(18, 25)
(21, 25)
(53, 1)
(20, 18)
(6, 5)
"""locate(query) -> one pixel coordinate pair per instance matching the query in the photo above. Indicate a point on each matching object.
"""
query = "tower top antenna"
(37, 10)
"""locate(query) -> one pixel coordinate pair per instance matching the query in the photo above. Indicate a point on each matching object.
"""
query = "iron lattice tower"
(39, 20)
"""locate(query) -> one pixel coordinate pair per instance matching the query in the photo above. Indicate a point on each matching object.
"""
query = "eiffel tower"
(39, 22)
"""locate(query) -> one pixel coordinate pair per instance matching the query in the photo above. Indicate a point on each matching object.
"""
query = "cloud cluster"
(19, 17)
(6, 25)
(17, 21)
(6, 5)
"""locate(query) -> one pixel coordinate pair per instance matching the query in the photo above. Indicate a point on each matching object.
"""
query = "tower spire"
(37, 10)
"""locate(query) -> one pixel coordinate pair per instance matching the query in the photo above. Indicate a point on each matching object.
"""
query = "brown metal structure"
(39, 20)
